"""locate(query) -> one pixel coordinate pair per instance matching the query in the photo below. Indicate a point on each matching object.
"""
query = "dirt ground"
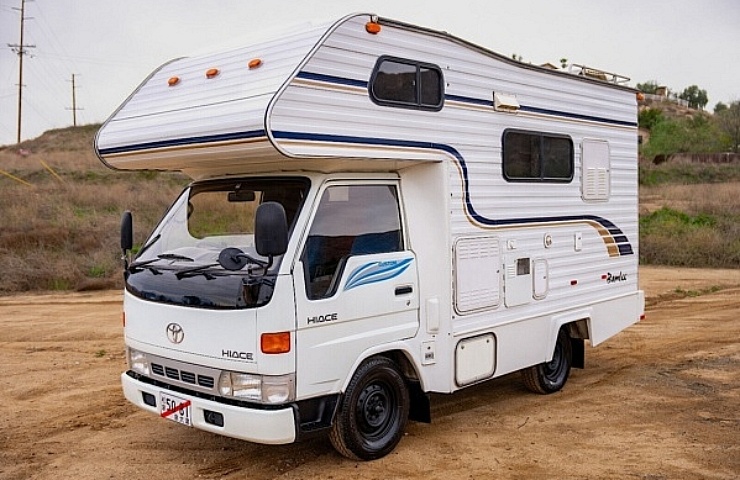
(660, 400)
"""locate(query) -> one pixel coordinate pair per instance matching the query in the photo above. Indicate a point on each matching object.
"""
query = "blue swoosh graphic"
(376, 272)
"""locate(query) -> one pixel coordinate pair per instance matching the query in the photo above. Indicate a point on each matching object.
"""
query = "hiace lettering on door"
(329, 317)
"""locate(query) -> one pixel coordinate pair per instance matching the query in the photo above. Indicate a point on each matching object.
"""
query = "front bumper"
(255, 425)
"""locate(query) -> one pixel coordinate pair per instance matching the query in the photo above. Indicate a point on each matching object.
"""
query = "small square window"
(406, 83)
(537, 157)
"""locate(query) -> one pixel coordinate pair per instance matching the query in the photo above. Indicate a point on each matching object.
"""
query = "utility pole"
(20, 49)
(74, 101)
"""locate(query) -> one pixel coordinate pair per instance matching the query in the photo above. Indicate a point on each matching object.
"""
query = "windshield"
(208, 218)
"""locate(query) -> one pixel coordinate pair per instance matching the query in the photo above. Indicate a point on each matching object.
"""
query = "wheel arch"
(400, 354)
(578, 327)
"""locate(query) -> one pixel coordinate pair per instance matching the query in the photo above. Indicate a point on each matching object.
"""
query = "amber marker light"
(640, 96)
(173, 81)
(254, 63)
(272, 343)
(212, 72)
(372, 27)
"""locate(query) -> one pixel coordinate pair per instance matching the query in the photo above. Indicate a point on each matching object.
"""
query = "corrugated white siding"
(335, 117)
(198, 108)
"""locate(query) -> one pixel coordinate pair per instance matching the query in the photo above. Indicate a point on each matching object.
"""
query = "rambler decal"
(616, 277)
(374, 272)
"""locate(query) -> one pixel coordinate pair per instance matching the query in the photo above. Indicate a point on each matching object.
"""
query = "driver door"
(356, 283)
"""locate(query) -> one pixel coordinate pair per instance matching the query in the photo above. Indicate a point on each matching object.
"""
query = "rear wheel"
(373, 413)
(549, 377)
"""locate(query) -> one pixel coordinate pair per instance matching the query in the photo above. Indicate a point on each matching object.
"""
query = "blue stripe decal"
(318, 137)
(471, 100)
(578, 116)
(475, 101)
(175, 142)
(620, 238)
(319, 77)
(375, 272)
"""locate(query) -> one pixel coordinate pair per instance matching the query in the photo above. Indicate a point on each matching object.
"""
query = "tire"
(373, 412)
(549, 377)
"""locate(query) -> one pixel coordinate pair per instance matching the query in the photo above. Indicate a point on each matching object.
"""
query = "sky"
(111, 46)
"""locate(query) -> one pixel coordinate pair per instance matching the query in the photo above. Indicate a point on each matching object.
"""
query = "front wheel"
(373, 413)
(549, 377)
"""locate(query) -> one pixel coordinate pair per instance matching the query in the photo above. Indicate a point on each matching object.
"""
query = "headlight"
(272, 389)
(138, 362)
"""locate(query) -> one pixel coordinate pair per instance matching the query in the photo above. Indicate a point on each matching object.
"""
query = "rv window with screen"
(537, 157)
(406, 83)
(350, 220)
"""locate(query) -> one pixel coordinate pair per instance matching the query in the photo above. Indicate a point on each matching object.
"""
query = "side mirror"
(270, 230)
(127, 231)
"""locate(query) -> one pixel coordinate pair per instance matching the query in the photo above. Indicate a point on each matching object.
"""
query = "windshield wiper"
(151, 242)
(174, 256)
(199, 269)
(146, 264)
(163, 256)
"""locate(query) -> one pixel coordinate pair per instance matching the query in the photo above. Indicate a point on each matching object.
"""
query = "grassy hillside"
(60, 211)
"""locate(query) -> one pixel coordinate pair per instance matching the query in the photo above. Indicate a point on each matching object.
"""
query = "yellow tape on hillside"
(51, 170)
(19, 180)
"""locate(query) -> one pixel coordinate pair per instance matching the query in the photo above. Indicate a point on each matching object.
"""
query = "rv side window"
(351, 220)
(406, 83)
(537, 157)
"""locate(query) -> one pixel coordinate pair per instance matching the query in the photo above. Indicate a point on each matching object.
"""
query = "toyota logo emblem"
(175, 333)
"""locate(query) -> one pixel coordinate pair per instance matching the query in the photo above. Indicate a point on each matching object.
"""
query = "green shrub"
(672, 237)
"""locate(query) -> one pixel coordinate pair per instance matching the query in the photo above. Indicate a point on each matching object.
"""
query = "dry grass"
(60, 236)
(62, 232)
(694, 225)
(713, 199)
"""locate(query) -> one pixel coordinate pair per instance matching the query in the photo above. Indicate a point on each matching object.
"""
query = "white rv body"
(492, 266)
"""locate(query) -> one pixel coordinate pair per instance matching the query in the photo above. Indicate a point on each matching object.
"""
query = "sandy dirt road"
(659, 401)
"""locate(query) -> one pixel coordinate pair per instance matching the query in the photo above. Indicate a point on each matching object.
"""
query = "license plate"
(176, 409)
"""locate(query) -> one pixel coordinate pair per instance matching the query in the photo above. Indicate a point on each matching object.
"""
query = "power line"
(74, 101)
(20, 49)
(53, 41)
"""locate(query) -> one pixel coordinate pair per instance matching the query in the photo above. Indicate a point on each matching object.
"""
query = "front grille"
(204, 381)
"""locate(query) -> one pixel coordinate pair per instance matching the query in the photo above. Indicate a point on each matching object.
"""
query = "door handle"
(403, 290)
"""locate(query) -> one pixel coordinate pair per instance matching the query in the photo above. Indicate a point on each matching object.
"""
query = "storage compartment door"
(475, 359)
(477, 274)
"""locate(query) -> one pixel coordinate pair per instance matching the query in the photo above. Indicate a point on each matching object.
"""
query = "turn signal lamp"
(373, 28)
(273, 343)
(173, 81)
(212, 72)
(254, 63)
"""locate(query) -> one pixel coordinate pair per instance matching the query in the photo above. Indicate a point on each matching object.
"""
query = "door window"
(350, 220)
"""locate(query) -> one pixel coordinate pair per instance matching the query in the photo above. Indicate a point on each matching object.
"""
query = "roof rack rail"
(598, 74)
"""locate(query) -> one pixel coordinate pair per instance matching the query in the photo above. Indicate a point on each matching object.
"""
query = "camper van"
(378, 211)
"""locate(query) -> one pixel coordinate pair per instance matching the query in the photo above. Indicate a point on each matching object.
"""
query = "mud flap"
(420, 409)
(578, 350)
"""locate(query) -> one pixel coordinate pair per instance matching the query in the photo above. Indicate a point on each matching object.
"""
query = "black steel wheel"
(549, 377)
(373, 412)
